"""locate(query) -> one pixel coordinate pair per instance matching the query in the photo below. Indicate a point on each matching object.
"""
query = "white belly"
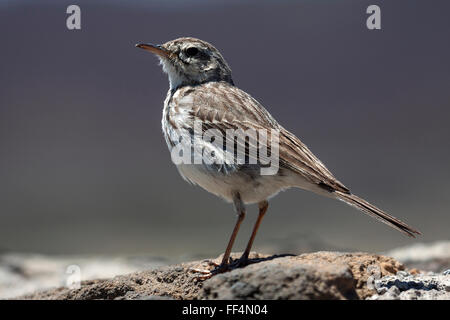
(251, 189)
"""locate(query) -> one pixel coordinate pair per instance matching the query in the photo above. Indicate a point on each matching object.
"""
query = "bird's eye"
(192, 51)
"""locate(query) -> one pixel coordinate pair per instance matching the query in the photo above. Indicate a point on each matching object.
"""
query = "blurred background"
(84, 168)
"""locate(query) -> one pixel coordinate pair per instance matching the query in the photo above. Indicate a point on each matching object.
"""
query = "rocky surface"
(420, 271)
(407, 286)
(427, 276)
(321, 275)
(26, 273)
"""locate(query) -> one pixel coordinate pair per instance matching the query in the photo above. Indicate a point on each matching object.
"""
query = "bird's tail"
(376, 213)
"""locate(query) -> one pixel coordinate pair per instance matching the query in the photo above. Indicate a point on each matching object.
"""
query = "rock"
(283, 278)
(320, 275)
(22, 273)
(330, 275)
(407, 286)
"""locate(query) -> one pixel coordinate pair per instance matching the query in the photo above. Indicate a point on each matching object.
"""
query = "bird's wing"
(295, 155)
(219, 105)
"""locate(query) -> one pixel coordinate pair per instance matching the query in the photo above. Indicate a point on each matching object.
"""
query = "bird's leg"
(240, 211)
(243, 260)
(224, 266)
(262, 211)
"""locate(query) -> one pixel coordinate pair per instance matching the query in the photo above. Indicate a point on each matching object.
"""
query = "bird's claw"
(211, 263)
(207, 274)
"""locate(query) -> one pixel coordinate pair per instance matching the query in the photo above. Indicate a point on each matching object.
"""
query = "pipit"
(202, 90)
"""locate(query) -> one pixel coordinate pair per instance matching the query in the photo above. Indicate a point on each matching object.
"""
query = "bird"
(201, 90)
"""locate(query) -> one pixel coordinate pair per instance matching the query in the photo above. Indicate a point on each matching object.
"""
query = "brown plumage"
(240, 110)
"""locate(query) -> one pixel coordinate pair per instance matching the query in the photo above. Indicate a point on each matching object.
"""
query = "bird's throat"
(176, 79)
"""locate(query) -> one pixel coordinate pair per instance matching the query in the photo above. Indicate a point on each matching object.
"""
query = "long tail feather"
(376, 213)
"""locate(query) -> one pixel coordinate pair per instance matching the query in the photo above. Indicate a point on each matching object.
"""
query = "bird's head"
(190, 61)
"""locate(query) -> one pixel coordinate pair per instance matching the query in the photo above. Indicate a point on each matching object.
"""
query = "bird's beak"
(155, 49)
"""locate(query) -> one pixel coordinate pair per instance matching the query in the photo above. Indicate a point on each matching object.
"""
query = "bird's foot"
(211, 263)
(207, 274)
(239, 263)
(220, 268)
(204, 271)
